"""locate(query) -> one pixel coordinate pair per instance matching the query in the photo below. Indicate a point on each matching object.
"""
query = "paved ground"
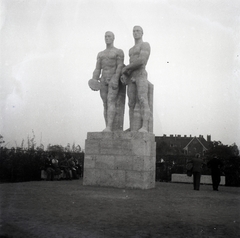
(69, 209)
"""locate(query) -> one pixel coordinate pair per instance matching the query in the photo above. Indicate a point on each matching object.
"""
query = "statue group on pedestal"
(111, 77)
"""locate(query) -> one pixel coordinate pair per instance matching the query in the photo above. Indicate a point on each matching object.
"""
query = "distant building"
(181, 145)
(173, 152)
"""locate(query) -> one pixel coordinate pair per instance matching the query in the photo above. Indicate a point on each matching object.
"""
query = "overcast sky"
(49, 50)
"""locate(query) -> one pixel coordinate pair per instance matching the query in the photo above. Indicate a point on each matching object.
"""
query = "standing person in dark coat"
(197, 169)
(215, 164)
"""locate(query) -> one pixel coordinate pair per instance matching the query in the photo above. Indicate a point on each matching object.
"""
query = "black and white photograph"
(119, 118)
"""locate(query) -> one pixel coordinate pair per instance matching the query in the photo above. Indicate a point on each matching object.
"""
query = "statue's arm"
(120, 61)
(140, 61)
(98, 68)
(116, 76)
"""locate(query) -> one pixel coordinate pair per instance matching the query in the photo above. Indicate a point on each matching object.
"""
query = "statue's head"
(137, 32)
(109, 37)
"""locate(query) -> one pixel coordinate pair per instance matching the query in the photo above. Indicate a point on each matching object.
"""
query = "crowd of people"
(69, 168)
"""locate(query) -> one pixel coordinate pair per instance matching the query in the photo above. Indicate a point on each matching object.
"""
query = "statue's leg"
(118, 121)
(103, 94)
(132, 93)
(142, 86)
(111, 108)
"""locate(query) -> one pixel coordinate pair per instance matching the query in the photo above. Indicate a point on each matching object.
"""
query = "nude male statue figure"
(135, 76)
(109, 65)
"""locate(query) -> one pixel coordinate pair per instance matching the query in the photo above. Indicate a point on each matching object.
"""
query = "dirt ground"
(69, 209)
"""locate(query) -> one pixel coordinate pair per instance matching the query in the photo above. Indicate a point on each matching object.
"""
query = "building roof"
(195, 138)
(183, 141)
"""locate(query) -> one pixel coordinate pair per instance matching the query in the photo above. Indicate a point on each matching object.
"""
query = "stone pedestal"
(120, 159)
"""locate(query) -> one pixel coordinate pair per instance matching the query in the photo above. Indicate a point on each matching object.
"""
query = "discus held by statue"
(94, 84)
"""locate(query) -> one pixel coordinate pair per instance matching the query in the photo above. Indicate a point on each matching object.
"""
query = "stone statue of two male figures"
(111, 77)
